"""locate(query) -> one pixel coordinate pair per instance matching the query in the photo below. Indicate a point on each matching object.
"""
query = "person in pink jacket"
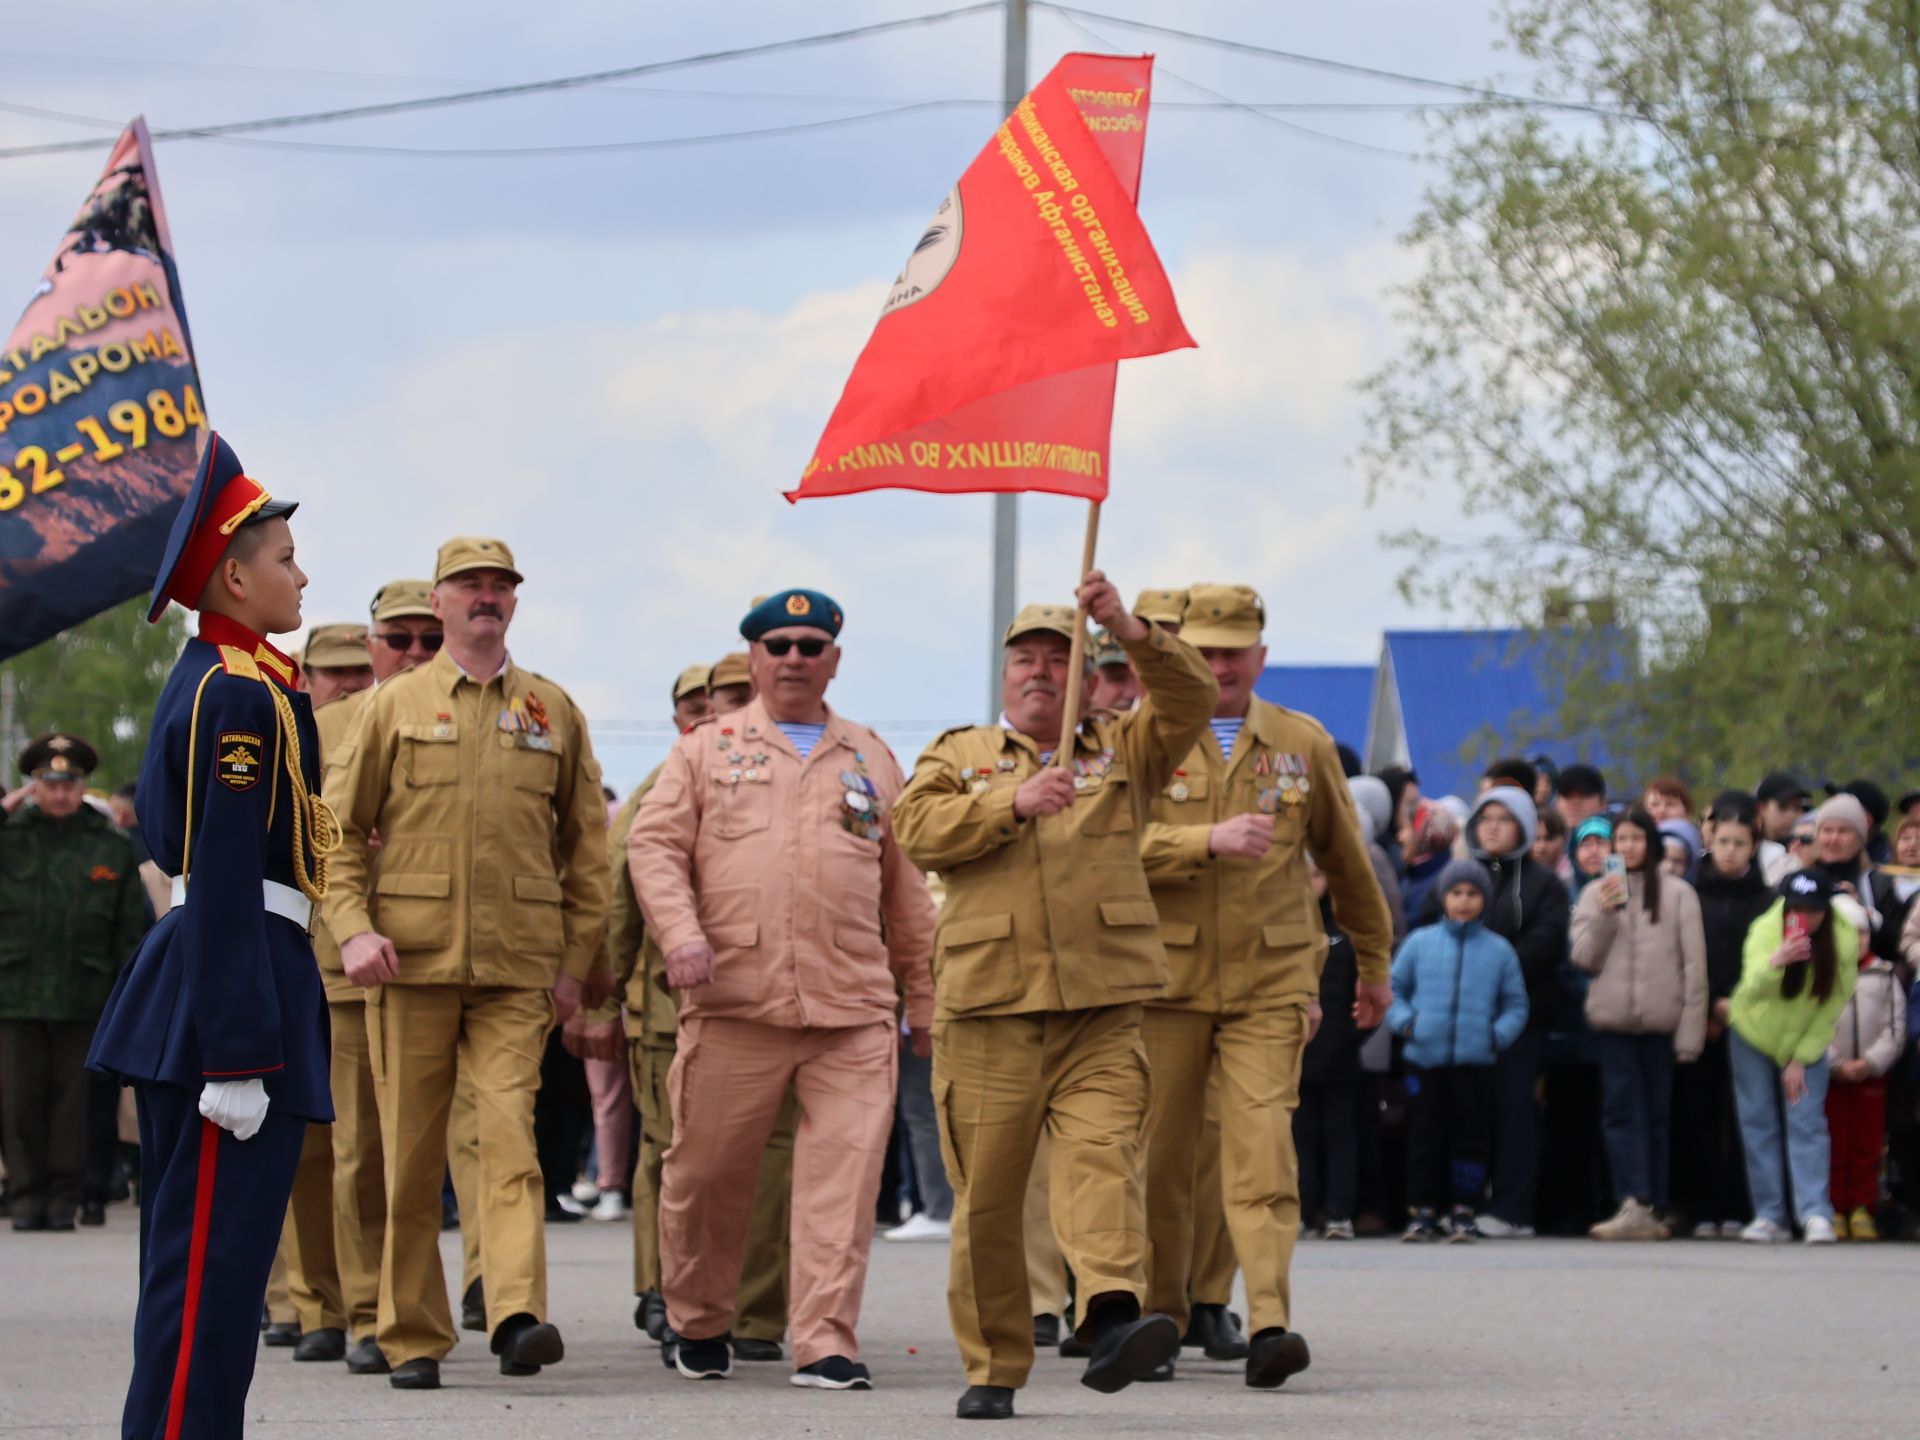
(793, 927)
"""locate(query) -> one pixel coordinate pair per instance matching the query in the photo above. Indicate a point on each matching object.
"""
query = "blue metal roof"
(1340, 697)
(1456, 686)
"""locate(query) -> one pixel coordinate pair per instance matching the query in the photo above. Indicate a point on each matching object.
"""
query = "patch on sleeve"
(236, 763)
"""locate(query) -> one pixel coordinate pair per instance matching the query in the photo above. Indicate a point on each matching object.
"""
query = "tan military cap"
(336, 647)
(1056, 619)
(1161, 607)
(474, 552)
(731, 669)
(693, 680)
(403, 600)
(1223, 617)
(1108, 651)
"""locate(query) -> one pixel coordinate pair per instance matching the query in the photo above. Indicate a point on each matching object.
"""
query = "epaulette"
(956, 730)
(703, 720)
(238, 662)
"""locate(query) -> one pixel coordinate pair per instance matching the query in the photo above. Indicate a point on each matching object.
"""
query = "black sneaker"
(836, 1372)
(704, 1359)
(1128, 1350)
(1460, 1227)
(1273, 1355)
(651, 1315)
(1421, 1228)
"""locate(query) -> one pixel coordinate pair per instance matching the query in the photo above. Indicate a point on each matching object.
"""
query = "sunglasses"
(400, 642)
(1801, 837)
(778, 647)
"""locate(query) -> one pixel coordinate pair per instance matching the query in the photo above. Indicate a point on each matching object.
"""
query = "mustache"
(485, 607)
(1040, 687)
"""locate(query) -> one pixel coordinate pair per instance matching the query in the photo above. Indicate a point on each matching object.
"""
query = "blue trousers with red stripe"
(211, 1211)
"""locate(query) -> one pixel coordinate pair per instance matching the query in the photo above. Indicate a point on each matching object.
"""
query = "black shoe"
(366, 1359)
(1420, 1229)
(836, 1372)
(669, 1347)
(710, 1359)
(1128, 1350)
(6, 1201)
(651, 1315)
(281, 1334)
(1160, 1373)
(744, 1349)
(415, 1375)
(473, 1307)
(1216, 1330)
(59, 1224)
(524, 1344)
(985, 1402)
(1460, 1226)
(321, 1345)
(25, 1224)
(557, 1216)
(1046, 1333)
(93, 1212)
(1273, 1356)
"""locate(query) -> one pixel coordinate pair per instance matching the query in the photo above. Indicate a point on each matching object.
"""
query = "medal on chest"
(861, 811)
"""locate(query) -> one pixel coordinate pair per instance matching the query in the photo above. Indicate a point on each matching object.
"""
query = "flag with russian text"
(101, 420)
(992, 365)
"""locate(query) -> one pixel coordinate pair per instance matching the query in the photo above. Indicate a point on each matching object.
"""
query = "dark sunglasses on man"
(781, 644)
(400, 641)
(1803, 837)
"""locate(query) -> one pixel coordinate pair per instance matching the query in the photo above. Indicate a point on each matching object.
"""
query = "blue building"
(1340, 697)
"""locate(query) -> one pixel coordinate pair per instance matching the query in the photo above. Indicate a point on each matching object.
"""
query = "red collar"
(218, 629)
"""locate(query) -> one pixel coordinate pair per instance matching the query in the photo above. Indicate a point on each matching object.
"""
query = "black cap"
(1869, 795)
(1582, 779)
(59, 757)
(1805, 890)
(1779, 785)
(1907, 801)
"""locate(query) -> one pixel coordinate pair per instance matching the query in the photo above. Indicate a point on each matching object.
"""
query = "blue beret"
(793, 607)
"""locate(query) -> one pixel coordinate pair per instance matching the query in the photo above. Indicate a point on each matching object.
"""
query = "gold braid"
(308, 810)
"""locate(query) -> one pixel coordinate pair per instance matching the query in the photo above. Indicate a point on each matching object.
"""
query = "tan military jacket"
(334, 721)
(1245, 934)
(652, 1012)
(493, 860)
(1052, 913)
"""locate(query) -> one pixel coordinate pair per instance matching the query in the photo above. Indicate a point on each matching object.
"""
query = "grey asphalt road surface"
(1536, 1338)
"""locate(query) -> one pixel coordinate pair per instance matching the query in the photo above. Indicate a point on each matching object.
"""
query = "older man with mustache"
(1048, 943)
(481, 928)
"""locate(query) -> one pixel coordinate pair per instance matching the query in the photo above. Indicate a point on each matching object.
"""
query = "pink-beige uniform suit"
(820, 926)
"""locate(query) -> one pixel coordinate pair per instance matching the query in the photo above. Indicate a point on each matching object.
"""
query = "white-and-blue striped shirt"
(1226, 730)
(802, 737)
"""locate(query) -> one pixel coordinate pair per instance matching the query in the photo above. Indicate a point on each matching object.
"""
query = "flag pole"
(1077, 655)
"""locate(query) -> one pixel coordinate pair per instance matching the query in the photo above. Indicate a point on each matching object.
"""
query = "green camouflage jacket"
(71, 912)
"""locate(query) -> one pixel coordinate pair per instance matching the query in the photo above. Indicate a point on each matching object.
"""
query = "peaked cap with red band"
(221, 499)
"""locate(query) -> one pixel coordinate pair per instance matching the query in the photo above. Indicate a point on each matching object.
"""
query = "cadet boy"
(480, 929)
(1226, 850)
(792, 925)
(1047, 944)
(71, 911)
(219, 1022)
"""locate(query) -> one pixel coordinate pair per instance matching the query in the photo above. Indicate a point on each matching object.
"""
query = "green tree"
(1668, 333)
(99, 681)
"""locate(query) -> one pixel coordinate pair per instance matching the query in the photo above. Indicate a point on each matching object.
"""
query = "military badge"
(236, 760)
(799, 605)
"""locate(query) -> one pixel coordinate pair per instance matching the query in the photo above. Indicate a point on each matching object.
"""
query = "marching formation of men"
(404, 878)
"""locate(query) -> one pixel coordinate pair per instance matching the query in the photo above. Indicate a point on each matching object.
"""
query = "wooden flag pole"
(1077, 656)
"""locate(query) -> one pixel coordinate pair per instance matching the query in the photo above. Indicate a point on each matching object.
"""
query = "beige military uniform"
(492, 881)
(1244, 949)
(652, 1022)
(1047, 945)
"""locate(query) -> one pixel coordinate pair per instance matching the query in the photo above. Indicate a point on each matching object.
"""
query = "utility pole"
(1006, 508)
(9, 701)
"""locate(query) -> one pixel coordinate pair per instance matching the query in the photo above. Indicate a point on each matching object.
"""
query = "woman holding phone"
(1638, 933)
(1801, 963)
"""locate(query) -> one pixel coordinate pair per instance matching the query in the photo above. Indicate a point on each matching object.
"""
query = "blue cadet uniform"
(224, 988)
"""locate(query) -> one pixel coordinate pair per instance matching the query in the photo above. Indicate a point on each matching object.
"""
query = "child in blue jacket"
(1459, 999)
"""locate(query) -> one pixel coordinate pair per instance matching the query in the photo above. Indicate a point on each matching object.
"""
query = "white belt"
(279, 900)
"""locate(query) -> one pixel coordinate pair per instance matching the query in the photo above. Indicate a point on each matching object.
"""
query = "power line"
(530, 87)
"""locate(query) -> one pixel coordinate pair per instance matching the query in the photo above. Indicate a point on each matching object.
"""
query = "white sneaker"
(1706, 1230)
(572, 1206)
(612, 1205)
(585, 1191)
(922, 1227)
(1763, 1231)
(1819, 1230)
(1731, 1229)
(1492, 1227)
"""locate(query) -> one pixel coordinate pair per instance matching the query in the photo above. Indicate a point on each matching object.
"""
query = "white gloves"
(236, 1105)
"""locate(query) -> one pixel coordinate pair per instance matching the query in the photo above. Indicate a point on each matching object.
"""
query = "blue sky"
(616, 362)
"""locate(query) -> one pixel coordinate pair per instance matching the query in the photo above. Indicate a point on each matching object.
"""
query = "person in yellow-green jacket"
(1800, 964)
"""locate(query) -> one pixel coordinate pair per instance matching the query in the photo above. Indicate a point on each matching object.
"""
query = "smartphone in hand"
(1616, 869)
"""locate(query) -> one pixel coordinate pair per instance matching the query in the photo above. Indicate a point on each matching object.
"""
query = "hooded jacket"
(1728, 908)
(1458, 995)
(1650, 975)
(1873, 1027)
(1528, 907)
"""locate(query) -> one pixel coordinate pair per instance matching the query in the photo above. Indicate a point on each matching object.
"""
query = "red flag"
(100, 411)
(993, 363)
